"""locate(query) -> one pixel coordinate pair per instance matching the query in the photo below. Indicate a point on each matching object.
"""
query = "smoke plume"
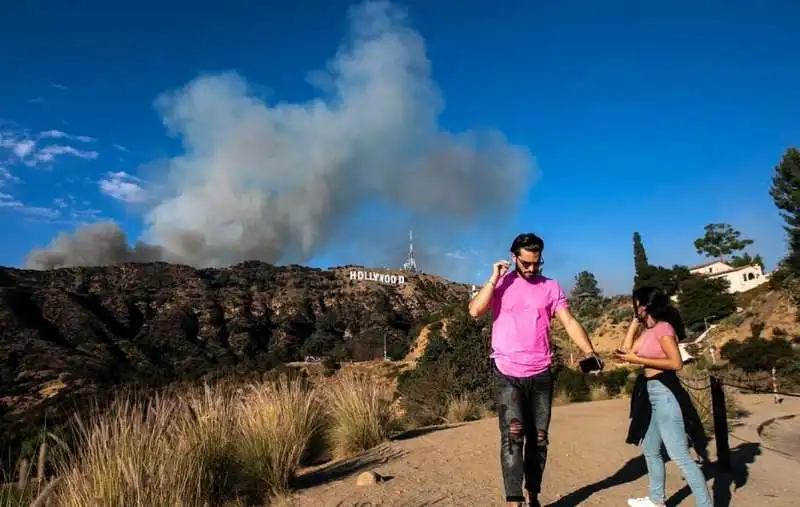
(277, 182)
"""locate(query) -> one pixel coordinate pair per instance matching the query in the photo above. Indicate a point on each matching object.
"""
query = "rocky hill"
(761, 306)
(69, 333)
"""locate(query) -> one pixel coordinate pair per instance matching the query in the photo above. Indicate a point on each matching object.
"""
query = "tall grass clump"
(127, 456)
(25, 492)
(700, 394)
(276, 422)
(461, 408)
(360, 413)
(204, 434)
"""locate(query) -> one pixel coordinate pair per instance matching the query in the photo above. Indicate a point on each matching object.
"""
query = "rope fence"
(716, 384)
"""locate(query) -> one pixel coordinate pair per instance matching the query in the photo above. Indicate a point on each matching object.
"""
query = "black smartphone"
(590, 364)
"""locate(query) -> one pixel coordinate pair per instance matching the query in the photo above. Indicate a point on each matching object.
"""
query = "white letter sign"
(377, 277)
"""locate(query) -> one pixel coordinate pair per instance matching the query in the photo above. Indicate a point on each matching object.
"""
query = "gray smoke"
(277, 182)
(94, 245)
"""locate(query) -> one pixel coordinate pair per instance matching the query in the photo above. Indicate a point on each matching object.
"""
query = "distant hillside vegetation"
(67, 335)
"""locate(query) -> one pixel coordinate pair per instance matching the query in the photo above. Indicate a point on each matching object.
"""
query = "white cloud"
(39, 212)
(35, 150)
(120, 148)
(86, 216)
(8, 201)
(58, 134)
(58, 86)
(456, 254)
(49, 153)
(6, 176)
(64, 210)
(123, 186)
(53, 134)
(18, 142)
(24, 148)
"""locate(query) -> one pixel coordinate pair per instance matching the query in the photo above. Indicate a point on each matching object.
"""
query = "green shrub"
(615, 380)
(757, 355)
(573, 384)
(620, 315)
(329, 366)
(702, 298)
(735, 320)
(452, 365)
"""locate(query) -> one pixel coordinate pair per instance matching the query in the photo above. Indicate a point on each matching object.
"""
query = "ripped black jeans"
(524, 406)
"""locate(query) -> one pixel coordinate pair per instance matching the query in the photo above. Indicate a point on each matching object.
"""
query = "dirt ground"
(784, 434)
(589, 464)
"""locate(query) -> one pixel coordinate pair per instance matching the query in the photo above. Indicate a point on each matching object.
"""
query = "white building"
(740, 279)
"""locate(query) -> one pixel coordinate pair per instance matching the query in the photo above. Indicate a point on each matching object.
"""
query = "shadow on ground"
(418, 432)
(629, 472)
(341, 469)
(742, 457)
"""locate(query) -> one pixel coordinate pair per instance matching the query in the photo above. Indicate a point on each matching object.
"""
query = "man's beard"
(524, 274)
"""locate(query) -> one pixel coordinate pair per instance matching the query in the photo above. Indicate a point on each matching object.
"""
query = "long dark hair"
(656, 304)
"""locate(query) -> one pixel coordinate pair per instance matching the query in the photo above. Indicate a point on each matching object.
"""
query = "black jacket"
(641, 411)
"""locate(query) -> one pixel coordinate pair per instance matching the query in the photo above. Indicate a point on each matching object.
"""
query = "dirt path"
(589, 465)
(784, 434)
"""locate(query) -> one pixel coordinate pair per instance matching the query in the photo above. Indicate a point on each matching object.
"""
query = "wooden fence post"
(720, 423)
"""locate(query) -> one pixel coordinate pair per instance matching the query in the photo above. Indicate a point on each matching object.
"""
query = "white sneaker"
(643, 502)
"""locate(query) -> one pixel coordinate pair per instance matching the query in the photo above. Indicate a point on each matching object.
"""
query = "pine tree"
(586, 300)
(586, 285)
(639, 255)
(642, 268)
(720, 241)
(785, 192)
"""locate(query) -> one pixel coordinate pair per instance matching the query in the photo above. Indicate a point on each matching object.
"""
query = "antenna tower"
(410, 264)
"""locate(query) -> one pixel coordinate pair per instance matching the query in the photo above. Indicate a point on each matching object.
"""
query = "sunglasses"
(527, 264)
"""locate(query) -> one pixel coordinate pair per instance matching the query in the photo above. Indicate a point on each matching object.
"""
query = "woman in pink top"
(661, 411)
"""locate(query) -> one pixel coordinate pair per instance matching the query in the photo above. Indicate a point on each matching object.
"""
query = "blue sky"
(658, 118)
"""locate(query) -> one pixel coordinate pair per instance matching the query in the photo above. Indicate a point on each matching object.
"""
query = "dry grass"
(484, 412)
(205, 437)
(461, 408)
(360, 412)
(128, 456)
(217, 445)
(599, 392)
(25, 491)
(208, 446)
(561, 398)
(276, 423)
(700, 393)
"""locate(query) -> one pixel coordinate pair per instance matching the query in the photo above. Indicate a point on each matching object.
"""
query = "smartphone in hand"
(591, 364)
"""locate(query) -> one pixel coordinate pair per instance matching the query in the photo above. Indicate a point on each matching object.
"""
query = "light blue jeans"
(666, 426)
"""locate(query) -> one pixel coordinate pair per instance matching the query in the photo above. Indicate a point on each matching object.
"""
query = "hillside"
(771, 308)
(762, 304)
(70, 333)
(759, 305)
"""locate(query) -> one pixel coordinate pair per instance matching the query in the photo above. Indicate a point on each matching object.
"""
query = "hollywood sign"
(377, 277)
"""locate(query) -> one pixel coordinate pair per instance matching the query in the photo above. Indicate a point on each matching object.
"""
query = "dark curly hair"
(656, 304)
(527, 241)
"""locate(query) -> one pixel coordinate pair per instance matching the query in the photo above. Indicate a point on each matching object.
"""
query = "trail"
(589, 465)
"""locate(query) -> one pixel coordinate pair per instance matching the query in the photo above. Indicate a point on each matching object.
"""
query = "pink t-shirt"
(521, 315)
(650, 342)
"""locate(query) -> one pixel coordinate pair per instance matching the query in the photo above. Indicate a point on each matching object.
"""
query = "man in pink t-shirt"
(523, 302)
